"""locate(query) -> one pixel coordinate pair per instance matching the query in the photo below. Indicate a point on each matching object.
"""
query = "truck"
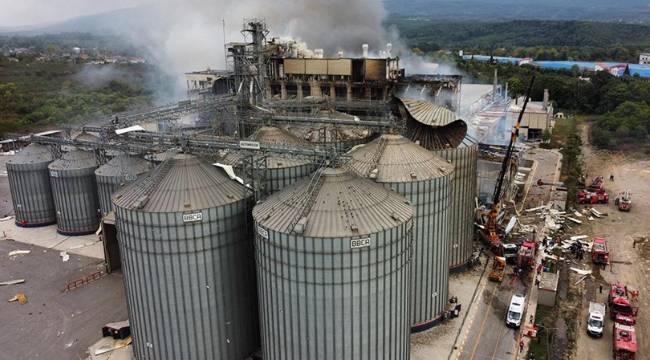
(526, 255)
(510, 253)
(620, 305)
(597, 185)
(625, 346)
(596, 320)
(624, 200)
(586, 197)
(498, 269)
(600, 252)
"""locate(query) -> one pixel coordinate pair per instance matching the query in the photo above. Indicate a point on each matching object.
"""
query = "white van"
(516, 311)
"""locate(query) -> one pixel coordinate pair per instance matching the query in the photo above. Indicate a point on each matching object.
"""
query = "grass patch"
(544, 319)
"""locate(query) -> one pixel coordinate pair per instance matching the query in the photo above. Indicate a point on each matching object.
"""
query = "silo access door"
(111, 247)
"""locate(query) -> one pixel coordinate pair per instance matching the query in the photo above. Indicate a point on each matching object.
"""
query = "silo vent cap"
(301, 225)
(141, 202)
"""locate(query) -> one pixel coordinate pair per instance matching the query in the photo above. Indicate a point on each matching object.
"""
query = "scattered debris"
(21, 298)
(12, 282)
(83, 281)
(64, 256)
(575, 220)
(19, 252)
(6, 218)
(581, 272)
(118, 330)
(597, 213)
(112, 346)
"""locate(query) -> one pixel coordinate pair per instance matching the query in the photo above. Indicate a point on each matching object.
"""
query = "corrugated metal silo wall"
(461, 232)
(190, 287)
(75, 199)
(278, 179)
(430, 265)
(321, 300)
(31, 194)
(106, 187)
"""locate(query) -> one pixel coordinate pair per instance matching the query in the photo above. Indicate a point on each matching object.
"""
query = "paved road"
(488, 337)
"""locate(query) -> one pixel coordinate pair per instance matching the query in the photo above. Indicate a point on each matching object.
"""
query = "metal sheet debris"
(581, 272)
(19, 252)
(64, 256)
(12, 282)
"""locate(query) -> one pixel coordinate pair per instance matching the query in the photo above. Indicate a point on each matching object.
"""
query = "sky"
(35, 12)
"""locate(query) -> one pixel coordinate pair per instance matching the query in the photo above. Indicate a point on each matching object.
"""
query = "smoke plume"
(186, 35)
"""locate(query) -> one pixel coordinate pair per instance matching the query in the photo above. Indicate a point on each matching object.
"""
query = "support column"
(283, 90)
(349, 91)
(268, 89)
(332, 91)
(368, 91)
(314, 88)
(299, 88)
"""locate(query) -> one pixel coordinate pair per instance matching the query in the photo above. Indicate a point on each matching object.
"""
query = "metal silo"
(75, 193)
(465, 160)
(341, 138)
(116, 173)
(272, 172)
(187, 257)
(426, 181)
(29, 182)
(333, 261)
(437, 128)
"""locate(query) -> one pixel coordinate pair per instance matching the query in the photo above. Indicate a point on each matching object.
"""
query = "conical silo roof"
(393, 158)
(429, 113)
(273, 136)
(336, 204)
(32, 154)
(75, 160)
(270, 135)
(182, 183)
(86, 136)
(124, 165)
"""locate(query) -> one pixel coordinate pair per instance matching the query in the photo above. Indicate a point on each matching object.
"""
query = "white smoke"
(185, 35)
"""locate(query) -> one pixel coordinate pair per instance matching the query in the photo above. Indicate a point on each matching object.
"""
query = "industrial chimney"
(546, 99)
(364, 48)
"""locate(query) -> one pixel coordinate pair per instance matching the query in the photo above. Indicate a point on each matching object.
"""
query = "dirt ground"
(629, 265)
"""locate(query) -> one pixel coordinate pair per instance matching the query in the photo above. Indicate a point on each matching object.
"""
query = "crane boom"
(491, 227)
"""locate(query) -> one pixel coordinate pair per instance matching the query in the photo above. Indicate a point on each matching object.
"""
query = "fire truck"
(526, 255)
(592, 198)
(624, 201)
(624, 346)
(599, 252)
(620, 305)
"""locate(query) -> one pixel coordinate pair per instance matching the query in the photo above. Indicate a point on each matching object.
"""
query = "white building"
(644, 59)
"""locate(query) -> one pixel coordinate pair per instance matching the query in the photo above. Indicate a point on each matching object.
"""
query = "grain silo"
(187, 258)
(29, 183)
(426, 181)
(436, 128)
(341, 138)
(465, 161)
(272, 172)
(119, 171)
(333, 261)
(75, 193)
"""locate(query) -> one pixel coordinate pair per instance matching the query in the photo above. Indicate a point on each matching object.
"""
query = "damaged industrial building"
(314, 210)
